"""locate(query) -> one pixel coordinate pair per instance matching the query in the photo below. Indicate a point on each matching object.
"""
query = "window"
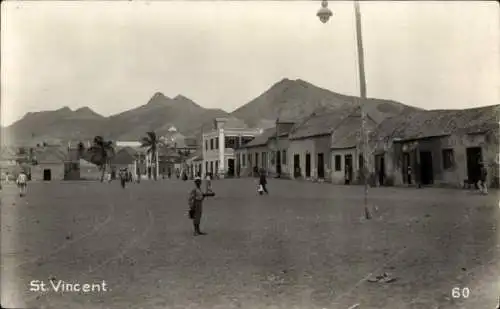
(448, 158)
(360, 161)
(216, 143)
(243, 158)
(211, 144)
(206, 145)
(256, 159)
(338, 163)
(283, 157)
(264, 159)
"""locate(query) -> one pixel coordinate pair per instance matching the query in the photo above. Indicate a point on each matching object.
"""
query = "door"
(278, 162)
(296, 165)
(426, 169)
(308, 165)
(474, 156)
(380, 169)
(47, 175)
(230, 167)
(348, 169)
(321, 166)
(406, 170)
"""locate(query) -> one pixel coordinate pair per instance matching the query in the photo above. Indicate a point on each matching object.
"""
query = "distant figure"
(263, 181)
(123, 177)
(347, 179)
(409, 175)
(208, 182)
(22, 183)
(482, 184)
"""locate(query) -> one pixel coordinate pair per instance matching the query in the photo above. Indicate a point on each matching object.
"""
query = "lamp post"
(324, 14)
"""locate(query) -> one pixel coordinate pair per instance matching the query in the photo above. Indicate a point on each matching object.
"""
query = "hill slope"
(296, 99)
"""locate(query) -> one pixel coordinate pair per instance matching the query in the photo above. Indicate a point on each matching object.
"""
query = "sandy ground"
(304, 246)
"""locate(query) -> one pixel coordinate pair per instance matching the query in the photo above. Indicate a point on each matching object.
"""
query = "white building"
(218, 146)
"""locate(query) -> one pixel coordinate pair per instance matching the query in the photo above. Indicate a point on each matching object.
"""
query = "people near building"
(409, 175)
(196, 197)
(208, 182)
(123, 177)
(22, 183)
(482, 183)
(347, 175)
(263, 180)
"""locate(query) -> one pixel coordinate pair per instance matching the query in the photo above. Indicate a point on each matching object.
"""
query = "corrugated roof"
(319, 124)
(261, 140)
(423, 124)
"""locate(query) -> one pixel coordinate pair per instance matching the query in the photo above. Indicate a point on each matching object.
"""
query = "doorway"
(278, 163)
(230, 167)
(426, 169)
(406, 169)
(348, 169)
(47, 175)
(308, 165)
(296, 166)
(321, 166)
(474, 156)
(380, 168)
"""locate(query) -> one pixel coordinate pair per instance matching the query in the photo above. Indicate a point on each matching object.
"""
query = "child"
(260, 189)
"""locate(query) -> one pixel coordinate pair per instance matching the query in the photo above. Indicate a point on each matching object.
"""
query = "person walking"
(263, 180)
(196, 197)
(22, 183)
(483, 187)
(208, 182)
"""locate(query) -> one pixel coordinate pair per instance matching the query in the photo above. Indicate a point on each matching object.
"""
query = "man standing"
(123, 177)
(22, 184)
(196, 197)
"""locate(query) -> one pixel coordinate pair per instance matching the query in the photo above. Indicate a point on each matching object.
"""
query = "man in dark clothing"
(263, 180)
(123, 177)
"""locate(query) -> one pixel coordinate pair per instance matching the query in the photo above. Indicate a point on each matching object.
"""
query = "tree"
(151, 142)
(101, 153)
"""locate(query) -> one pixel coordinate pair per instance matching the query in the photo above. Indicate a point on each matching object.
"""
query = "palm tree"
(151, 142)
(101, 153)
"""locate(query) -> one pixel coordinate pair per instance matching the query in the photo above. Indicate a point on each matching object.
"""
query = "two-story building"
(219, 144)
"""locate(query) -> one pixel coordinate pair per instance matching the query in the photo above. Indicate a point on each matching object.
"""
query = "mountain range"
(290, 100)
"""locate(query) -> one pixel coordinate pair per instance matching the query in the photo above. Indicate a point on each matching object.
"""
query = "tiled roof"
(434, 123)
(319, 124)
(50, 154)
(261, 140)
(124, 156)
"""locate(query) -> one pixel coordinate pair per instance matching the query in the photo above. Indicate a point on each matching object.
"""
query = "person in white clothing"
(22, 183)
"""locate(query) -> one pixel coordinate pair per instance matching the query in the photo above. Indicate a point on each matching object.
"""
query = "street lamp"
(324, 14)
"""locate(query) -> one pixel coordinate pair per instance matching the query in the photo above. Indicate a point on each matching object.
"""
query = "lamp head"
(324, 13)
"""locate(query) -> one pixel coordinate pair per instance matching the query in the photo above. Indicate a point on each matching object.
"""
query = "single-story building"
(439, 147)
(310, 144)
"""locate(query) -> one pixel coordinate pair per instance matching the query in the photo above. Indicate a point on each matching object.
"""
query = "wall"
(57, 171)
(455, 175)
(338, 177)
(312, 145)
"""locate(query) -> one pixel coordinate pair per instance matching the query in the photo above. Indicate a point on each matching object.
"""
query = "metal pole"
(278, 152)
(362, 88)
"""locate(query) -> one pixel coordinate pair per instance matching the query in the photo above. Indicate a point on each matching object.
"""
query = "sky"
(113, 56)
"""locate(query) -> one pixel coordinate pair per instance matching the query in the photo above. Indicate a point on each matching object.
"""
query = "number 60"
(460, 293)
